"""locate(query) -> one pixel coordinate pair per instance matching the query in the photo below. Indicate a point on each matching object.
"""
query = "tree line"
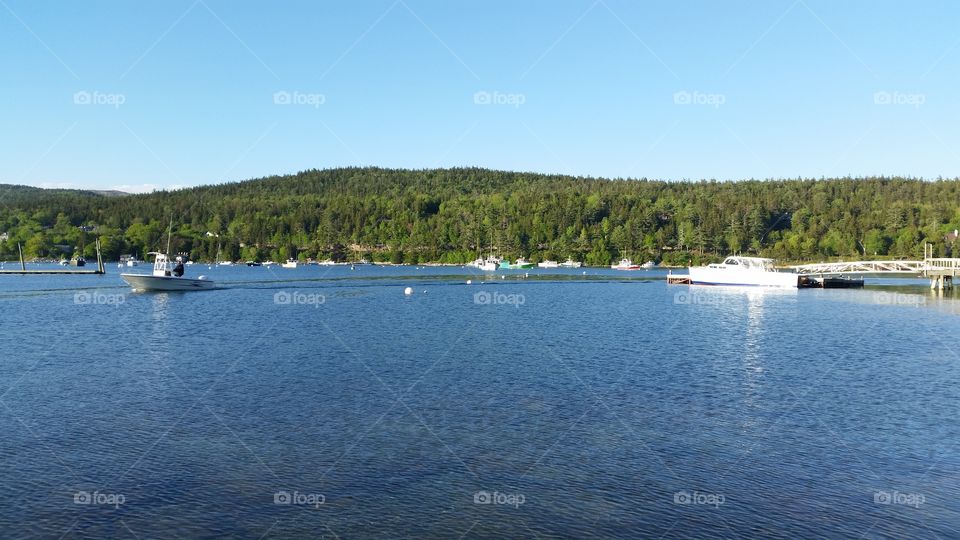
(453, 215)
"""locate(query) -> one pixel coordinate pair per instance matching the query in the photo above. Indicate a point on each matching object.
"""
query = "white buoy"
(408, 291)
(503, 277)
(469, 282)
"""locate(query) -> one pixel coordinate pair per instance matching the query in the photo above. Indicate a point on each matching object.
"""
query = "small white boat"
(225, 263)
(128, 261)
(649, 265)
(164, 278)
(570, 263)
(548, 264)
(743, 271)
(291, 263)
(625, 264)
(521, 263)
(327, 262)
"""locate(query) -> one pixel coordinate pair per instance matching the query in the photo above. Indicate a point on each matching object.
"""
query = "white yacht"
(548, 264)
(570, 263)
(165, 278)
(750, 271)
(291, 263)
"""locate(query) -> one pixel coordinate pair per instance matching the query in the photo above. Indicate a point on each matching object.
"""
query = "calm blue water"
(583, 406)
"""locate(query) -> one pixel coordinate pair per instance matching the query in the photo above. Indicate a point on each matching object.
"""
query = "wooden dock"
(99, 270)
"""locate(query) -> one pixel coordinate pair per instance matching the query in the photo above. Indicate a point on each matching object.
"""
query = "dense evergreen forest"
(451, 215)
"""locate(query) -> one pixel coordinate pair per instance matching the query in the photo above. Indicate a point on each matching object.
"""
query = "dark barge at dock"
(822, 282)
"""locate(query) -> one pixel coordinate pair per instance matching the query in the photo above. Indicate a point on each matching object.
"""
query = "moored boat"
(743, 271)
(548, 264)
(291, 263)
(625, 264)
(570, 263)
(521, 263)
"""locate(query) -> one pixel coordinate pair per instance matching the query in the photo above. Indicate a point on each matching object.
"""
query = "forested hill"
(450, 215)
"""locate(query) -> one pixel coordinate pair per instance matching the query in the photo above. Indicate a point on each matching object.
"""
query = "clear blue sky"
(132, 95)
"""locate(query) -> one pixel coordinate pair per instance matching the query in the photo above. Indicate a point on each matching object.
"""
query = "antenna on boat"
(169, 234)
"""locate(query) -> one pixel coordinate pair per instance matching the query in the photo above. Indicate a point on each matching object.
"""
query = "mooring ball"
(408, 291)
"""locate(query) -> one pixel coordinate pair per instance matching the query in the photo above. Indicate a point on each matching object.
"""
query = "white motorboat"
(649, 265)
(570, 263)
(490, 264)
(164, 278)
(128, 261)
(548, 264)
(291, 263)
(746, 271)
(625, 264)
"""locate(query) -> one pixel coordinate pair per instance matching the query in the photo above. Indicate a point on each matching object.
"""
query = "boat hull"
(704, 275)
(141, 282)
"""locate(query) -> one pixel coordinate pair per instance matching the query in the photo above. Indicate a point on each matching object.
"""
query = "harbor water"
(324, 402)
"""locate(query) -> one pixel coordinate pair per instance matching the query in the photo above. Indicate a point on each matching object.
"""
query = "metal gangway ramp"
(940, 271)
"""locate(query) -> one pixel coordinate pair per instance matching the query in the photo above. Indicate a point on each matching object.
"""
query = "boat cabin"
(746, 263)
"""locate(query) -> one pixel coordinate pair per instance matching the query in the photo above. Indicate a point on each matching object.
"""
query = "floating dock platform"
(811, 282)
(23, 267)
